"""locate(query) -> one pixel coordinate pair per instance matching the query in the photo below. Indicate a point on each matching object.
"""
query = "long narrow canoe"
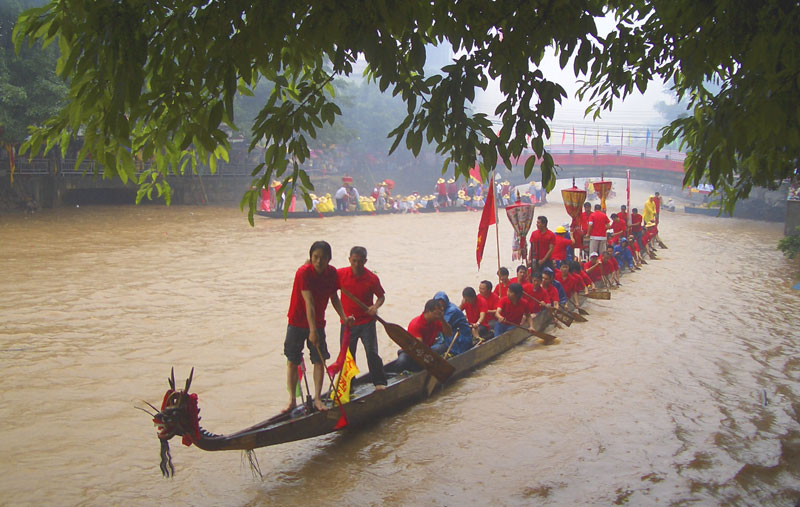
(179, 412)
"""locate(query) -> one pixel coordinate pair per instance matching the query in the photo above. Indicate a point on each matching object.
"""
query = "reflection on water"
(681, 388)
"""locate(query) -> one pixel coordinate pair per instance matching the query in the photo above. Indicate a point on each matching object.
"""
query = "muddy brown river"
(683, 388)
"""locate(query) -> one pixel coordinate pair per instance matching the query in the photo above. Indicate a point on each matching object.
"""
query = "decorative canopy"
(521, 217)
(603, 188)
(573, 201)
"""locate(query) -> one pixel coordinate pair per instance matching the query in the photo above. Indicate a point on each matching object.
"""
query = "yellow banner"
(349, 370)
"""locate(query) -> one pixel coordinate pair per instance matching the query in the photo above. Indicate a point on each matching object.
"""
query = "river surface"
(683, 388)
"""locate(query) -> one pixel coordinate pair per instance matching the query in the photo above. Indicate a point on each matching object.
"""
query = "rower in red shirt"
(315, 283)
(636, 226)
(476, 311)
(539, 293)
(542, 243)
(611, 266)
(491, 300)
(617, 229)
(426, 327)
(549, 289)
(364, 285)
(623, 214)
(593, 268)
(501, 289)
(522, 278)
(513, 311)
(561, 245)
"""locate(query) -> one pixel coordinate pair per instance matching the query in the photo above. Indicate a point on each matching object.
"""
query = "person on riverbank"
(315, 283)
(542, 243)
(513, 311)
(364, 285)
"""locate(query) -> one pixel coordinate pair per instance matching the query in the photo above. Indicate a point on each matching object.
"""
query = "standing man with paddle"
(315, 282)
(364, 285)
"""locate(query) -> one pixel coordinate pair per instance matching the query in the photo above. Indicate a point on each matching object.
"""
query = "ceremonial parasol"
(573, 202)
(603, 188)
(521, 216)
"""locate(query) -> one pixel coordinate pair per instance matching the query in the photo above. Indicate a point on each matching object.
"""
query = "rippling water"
(683, 388)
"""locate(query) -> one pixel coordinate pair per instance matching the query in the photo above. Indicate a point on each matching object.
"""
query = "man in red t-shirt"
(623, 214)
(476, 310)
(617, 229)
(598, 225)
(426, 327)
(315, 282)
(594, 268)
(491, 300)
(512, 311)
(522, 278)
(364, 285)
(542, 243)
(501, 289)
(636, 226)
(657, 200)
(611, 266)
(562, 243)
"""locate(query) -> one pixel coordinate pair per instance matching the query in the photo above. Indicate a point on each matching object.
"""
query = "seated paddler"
(427, 327)
(513, 311)
(458, 322)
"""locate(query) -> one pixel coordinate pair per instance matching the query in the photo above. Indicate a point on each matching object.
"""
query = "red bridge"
(581, 161)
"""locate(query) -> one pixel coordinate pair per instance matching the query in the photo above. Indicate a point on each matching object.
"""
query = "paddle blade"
(421, 353)
(599, 295)
(548, 338)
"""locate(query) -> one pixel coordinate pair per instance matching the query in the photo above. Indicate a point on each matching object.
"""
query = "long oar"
(342, 422)
(552, 311)
(447, 352)
(580, 310)
(574, 315)
(421, 353)
(548, 338)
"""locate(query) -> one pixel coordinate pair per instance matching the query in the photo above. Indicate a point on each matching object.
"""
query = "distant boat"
(704, 210)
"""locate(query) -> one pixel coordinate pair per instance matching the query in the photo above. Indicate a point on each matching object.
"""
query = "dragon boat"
(179, 413)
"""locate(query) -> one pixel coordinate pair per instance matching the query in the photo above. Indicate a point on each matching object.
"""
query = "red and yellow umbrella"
(573, 201)
(602, 188)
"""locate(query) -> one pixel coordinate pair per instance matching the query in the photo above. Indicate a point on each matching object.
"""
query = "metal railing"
(66, 167)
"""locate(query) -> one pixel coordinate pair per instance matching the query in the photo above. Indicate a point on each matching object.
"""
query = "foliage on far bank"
(161, 83)
(790, 245)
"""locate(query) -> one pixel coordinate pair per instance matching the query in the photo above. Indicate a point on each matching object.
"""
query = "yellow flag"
(349, 370)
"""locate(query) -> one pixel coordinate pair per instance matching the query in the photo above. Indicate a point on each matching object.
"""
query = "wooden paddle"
(447, 352)
(548, 338)
(580, 310)
(599, 294)
(554, 312)
(421, 353)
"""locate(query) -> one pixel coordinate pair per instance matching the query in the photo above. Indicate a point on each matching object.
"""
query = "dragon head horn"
(171, 379)
(189, 381)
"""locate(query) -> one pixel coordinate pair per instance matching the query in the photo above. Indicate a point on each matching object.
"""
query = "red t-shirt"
(513, 312)
(560, 248)
(568, 285)
(599, 222)
(585, 222)
(321, 287)
(540, 243)
(501, 290)
(636, 222)
(623, 215)
(618, 229)
(424, 330)
(552, 293)
(363, 287)
(474, 310)
(491, 303)
(596, 274)
(578, 234)
(610, 265)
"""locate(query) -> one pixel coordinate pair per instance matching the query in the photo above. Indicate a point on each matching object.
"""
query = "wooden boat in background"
(317, 214)
(704, 210)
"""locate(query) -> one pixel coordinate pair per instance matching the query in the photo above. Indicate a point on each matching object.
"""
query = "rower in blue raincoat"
(458, 321)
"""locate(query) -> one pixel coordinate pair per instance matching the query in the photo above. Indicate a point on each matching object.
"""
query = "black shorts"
(296, 337)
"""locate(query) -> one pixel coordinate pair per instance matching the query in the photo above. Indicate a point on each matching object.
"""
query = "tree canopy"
(30, 90)
(157, 79)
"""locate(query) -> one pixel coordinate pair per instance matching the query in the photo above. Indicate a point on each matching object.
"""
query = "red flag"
(334, 368)
(475, 173)
(487, 219)
(564, 137)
